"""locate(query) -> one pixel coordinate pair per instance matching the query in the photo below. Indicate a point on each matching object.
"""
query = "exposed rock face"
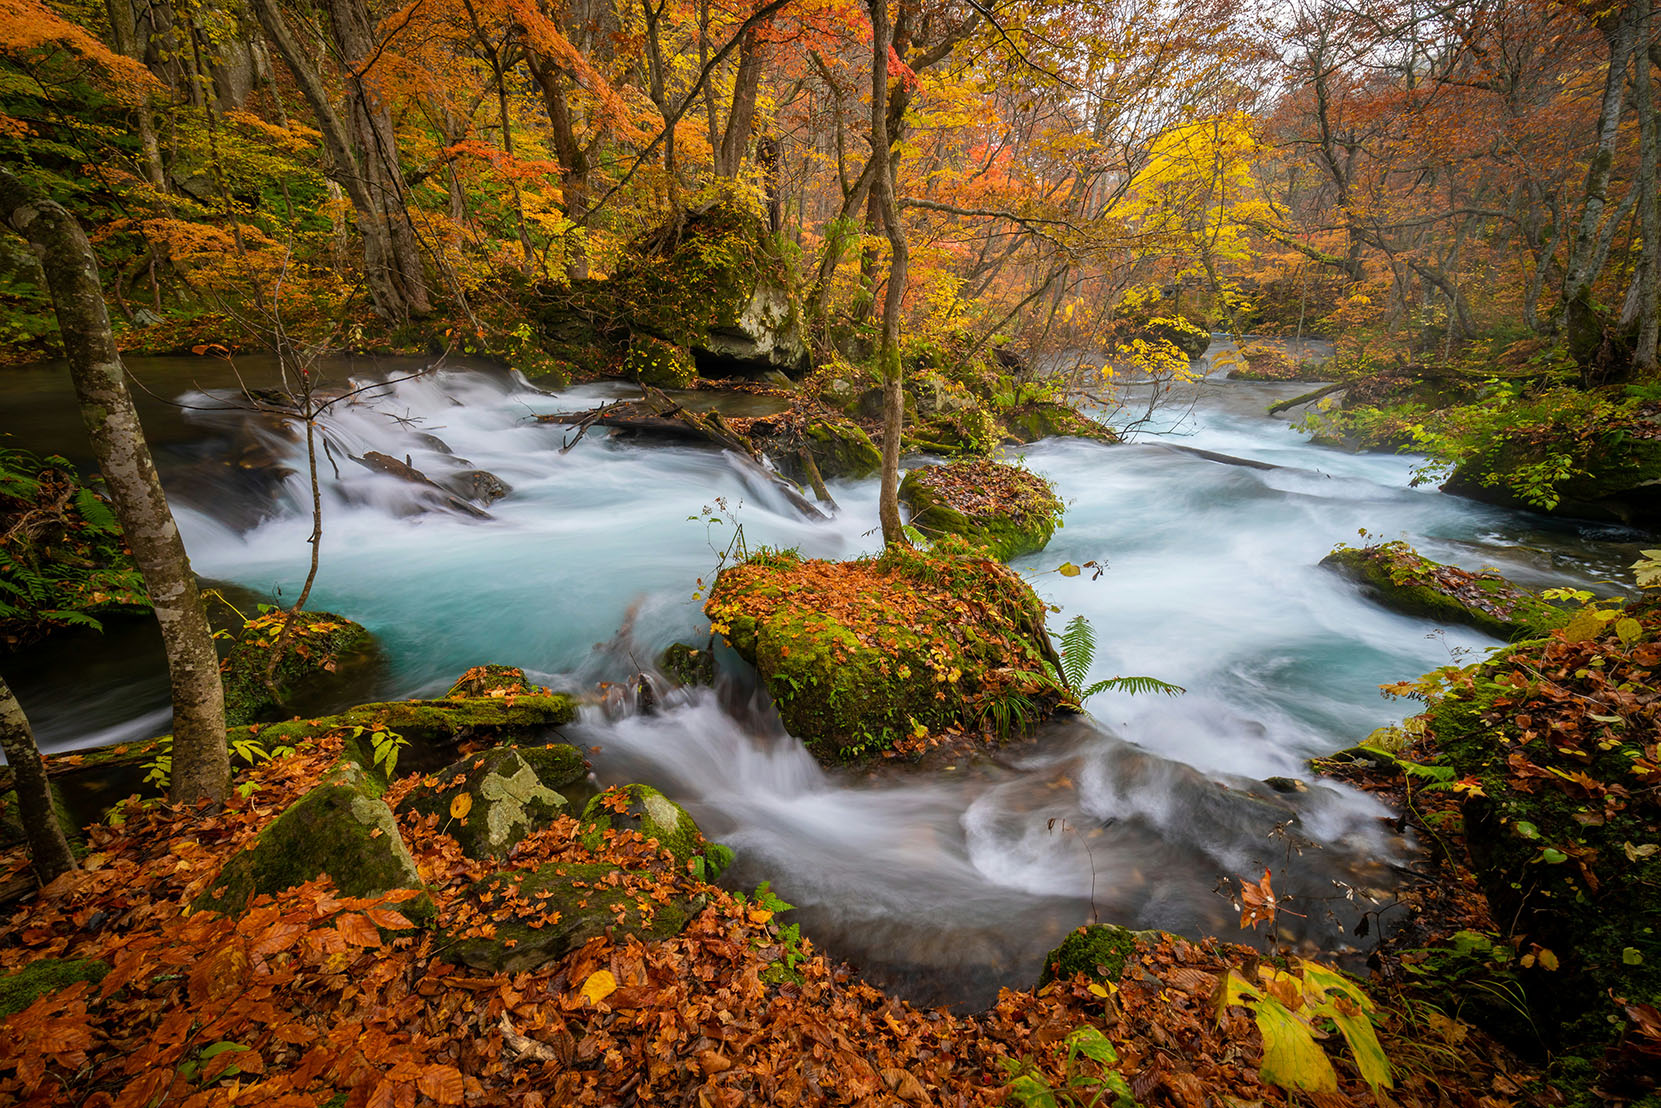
(510, 792)
(1401, 579)
(341, 828)
(541, 915)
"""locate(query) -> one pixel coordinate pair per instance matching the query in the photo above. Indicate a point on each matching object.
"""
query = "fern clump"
(62, 559)
(1078, 650)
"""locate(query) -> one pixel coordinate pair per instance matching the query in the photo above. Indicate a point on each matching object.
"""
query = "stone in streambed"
(642, 808)
(510, 791)
(1403, 580)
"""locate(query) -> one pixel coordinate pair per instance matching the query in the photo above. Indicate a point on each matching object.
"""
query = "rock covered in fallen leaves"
(341, 828)
(884, 652)
(493, 680)
(1404, 580)
(489, 801)
(642, 808)
(321, 645)
(529, 918)
(1007, 509)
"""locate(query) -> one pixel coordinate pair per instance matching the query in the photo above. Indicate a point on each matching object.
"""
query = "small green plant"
(1078, 650)
(1088, 1079)
(384, 744)
(246, 749)
(767, 905)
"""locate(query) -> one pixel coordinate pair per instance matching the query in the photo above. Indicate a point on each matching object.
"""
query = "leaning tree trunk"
(201, 760)
(48, 849)
(888, 356)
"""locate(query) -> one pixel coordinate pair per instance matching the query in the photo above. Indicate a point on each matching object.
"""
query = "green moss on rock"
(493, 680)
(642, 808)
(1099, 951)
(1006, 509)
(320, 644)
(865, 655)
(664, 365)
(539, 916)
(1403, 580)
(687, 664)
(840, 449)
(1042, 419)
(23, 987)
(340, 828)
(509, 796)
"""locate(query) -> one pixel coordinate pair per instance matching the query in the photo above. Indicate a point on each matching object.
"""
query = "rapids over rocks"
(943, 883)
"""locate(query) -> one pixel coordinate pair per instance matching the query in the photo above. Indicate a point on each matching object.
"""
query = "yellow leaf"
(461, 805)
(1068, 569)
(1097, 990)
(760, 915)
(1548, 960)
(1292, 1058)
(600, 984)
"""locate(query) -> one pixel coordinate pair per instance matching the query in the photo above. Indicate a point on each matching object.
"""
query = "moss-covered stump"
(321, 644)
(1403, 580)
(887, 652)
(688, 665)
(1554, 745)
(643, 809)
(48, 975)
(524, 919)
(1098, 951)
(1042, 419)
(510, 791)
(1006, 509)
(341, 828)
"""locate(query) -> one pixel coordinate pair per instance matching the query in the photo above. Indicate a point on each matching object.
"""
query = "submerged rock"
(1006, 509)
(321, 646)
(642, 808)
(688, 665)
(341, 828)
(510, 793)
(882, 652)
(1403, 580)
(538, 916)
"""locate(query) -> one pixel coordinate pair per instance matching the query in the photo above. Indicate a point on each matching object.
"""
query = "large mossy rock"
(713, 281)
(23, 987)
(341, 828)
(511, 791)
(1041, 419)
(1554, 742)
(664, 365)
(1099, 951)
(1618, 482)
(320, 647)
(539, 916)
(861, 656)
(642, 808)
(1405, 581)
(1006, 509)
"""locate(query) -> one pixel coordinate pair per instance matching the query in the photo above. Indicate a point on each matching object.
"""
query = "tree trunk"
(752, 53)
(888, 356)
(1649, 205)
(49, 851)
(201, 761)
(572, 156)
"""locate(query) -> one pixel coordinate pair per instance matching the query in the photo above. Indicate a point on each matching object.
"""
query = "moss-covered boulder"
(841, 449)
(642, 808)
(1267, 363)
(688, 665)
(1403, 580)
(712, 280)
(23, 987)
(882, 652)
(524, 919)
(1041, 419)
(510, 791)
(341, 828)
(1554, 745)
(664, 365)
(1099, 951)
(1615, 477)
(965, 432)
(1006, 509)
(320, 646)
(493, 681)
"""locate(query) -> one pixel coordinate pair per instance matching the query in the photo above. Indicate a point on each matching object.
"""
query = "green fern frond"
(1078, 650)
(96, 513)
(1135, 686)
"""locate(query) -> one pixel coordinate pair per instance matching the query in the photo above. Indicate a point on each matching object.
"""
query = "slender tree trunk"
(1649, 205)
(201, 759)
(572, 155)
(49, 851)
(752, 53)
(888, 356)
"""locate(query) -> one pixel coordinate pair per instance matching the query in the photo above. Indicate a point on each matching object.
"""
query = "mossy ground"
(1403, 580)
(1098, 951)
(1006, 509)
(885, 652)
(20, 989)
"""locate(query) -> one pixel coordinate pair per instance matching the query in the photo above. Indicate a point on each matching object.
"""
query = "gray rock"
(511, 791)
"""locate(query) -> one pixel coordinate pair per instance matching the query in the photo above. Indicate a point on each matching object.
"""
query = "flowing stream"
(943, 885)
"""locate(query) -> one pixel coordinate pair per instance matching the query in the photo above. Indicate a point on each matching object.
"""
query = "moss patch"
(1098, 951)
(688, 665)
(48, 975)
(493, 680)
(885, 652)
(320, 644)
(524, 919)
(1009, 510)
(1403, 580)
(340, 828)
